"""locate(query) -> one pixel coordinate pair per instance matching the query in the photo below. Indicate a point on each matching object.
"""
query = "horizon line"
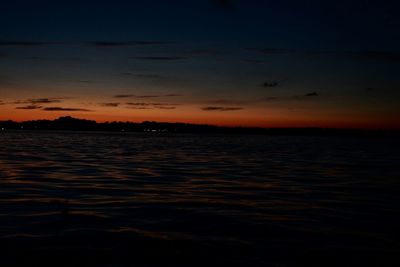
(211, 125)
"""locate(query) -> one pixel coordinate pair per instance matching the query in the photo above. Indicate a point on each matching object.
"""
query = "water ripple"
(253, 193)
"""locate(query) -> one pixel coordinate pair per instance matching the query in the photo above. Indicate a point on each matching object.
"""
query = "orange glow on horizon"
(273, 116)
(244, 118)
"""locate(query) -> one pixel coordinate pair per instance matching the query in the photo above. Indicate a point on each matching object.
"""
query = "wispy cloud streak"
(221, 108)
(40, 101)
(66, 109)
(161, 58)
(30, 107)
(146, 96)
(107, 44)
(109, 104)
(144, 105)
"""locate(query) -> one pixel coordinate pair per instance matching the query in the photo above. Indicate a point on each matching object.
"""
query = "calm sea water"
(121, 199)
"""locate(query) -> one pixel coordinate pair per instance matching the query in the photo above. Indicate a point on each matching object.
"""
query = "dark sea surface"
(131, 199)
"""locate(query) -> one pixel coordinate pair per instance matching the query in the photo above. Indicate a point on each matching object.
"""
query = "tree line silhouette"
(68, 123)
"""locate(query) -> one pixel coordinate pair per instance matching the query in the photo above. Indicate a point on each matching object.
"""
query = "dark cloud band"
(66, 109)
(221, 108)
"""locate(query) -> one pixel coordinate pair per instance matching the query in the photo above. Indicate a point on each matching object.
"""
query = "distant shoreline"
(72, 124)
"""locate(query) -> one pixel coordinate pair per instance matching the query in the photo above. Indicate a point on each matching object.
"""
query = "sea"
(168, 199)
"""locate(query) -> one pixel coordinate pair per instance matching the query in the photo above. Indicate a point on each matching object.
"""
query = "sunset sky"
(251, 63)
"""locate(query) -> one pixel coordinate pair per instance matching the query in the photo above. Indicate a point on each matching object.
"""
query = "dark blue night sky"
(264, 63)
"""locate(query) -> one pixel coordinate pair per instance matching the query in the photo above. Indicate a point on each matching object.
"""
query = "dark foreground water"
(104, 199)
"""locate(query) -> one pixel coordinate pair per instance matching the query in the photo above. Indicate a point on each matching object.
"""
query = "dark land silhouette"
(68, 123)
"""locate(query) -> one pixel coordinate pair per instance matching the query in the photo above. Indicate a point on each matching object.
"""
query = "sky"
(226, 62)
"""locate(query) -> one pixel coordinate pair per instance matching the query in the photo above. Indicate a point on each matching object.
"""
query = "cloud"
(30, 107)
(202, 52)
(271, 98)
(144, 105)
(272, 50)
(136, 96)
(366, 55)
(288, 98)
(237, 104)
(228, 102)
(166, 107)
(123, 96)
(102, 44)
(157, 78)
(28, 43)
(65, 109)
(271, 84)
(134, 107)
(151, 104)
(161, 58)
(172, 95)
(106, 44)
(39, 101)
(54, 59)
(221, 108)
(145, 76)
(109, 104)
(36, 58)
(45, 100)
(311, 94)
(146, 96)
(300, 97)
(138, 104)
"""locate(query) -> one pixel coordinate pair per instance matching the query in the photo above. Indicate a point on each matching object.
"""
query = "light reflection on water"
(261, 195)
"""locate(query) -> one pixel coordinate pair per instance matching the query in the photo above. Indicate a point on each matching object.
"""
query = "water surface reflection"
(106, 199)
